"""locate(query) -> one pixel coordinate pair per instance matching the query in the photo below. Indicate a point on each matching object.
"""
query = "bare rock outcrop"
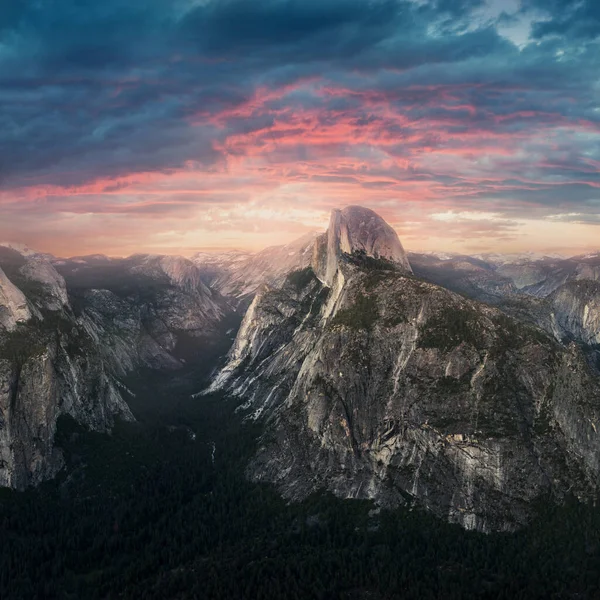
(372, 383)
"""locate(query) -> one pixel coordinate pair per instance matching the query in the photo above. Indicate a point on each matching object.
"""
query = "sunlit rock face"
(38, 270)
(238, 276)
(575, 311)
(13, 304)
(356, 229)
(374, 384)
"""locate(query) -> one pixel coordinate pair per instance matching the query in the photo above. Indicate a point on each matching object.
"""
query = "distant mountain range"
(469, 384)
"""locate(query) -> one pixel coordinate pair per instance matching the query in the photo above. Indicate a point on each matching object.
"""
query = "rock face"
(217, 268)
(587, 271)
(39, 270)
(560, 295)
(538, 278)
(576, 311)
(541, 277)
(37, 386)
(356, 230)
(140, 308)
(64, 344)
(237, 276)
(13, 304)
(374, 384)
(49, 366)
(180, 271)
(126, 336)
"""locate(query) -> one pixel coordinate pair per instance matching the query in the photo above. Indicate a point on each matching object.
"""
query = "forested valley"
(161, 508)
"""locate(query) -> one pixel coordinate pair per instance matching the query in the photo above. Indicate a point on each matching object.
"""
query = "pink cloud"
(319, 146)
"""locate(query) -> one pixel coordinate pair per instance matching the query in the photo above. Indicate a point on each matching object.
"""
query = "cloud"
(312, 29)
(174, 110)
(574, 19)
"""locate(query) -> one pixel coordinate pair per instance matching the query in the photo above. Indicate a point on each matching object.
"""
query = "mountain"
(50, 365)
(466, 275)
(373, 383)
(499, 275)
(576, 311)
(70, 329)
(13, 304)
(216, 267)
(24, 250)
(570, 299)
(558, 294)
(495, 258)
(356, 230)
(145, 309)
(541, 277)
(238, 276)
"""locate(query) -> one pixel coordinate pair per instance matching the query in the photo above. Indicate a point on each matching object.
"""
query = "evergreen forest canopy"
(161, 509)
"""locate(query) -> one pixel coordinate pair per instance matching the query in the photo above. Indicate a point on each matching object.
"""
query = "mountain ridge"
(66, 342)
(381, 385)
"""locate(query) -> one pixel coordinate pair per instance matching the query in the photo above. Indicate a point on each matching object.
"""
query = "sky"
(182, 125)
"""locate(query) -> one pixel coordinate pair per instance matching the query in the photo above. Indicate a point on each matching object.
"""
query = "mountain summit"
(356, 229)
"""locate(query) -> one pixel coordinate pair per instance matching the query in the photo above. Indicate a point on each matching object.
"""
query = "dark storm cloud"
(313, 29)
(577, 19)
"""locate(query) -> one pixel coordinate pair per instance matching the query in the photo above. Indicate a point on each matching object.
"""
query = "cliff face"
(237, 276)
(570, 313)
(49, 366)
(37, 385)
(575, 310)
(64, 344)
(374, 384)
(560, 295)
(539, 277)
(13, 304)
(138, 309)
(356, 230)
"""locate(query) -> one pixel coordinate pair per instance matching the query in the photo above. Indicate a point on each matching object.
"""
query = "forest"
(161, 508)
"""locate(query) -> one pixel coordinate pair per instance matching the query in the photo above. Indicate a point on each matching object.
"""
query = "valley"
(145, 512)
(333, 411)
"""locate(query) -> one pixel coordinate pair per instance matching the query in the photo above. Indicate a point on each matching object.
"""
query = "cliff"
(374, 384)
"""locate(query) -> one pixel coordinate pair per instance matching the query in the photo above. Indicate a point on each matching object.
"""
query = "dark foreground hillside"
(161, 509)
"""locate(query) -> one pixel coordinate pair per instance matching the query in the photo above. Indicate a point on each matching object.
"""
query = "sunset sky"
(180, 125)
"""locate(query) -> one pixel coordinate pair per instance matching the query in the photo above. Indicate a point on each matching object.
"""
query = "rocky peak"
(179, 271)
(13, 304)
(238, 275)
(356, 229)
(182, 272)
(40, 271)
(22, 249)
